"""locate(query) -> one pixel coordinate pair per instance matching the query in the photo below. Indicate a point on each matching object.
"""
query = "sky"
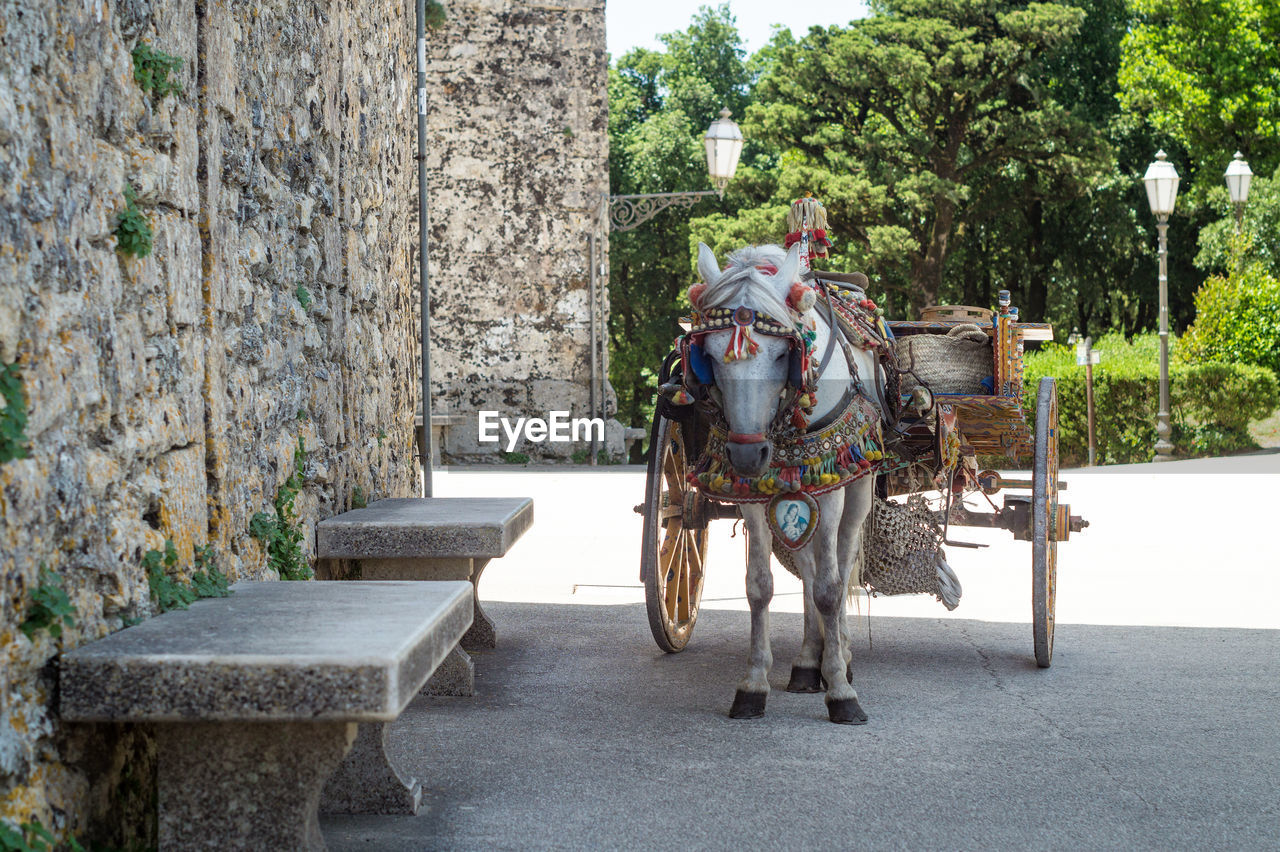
(637, 23)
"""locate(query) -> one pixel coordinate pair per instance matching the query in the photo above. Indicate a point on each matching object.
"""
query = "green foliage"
(515, 458)
(133, 230)
(169, 592)
(32, 837)
(151, 70)
(279, 533)
(13, 417)
(358, 500)
(905, 122)
(436, 17)
(207, 580)
(1237, 318)
(1260, 226)
(49, 607)
(1202, 72)
(1211, 405)
(660, 104)
(303, 296)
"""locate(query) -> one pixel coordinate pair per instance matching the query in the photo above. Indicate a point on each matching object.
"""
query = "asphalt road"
(1158, 725)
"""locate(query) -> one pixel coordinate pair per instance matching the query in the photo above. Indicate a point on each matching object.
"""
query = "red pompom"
(695, 293)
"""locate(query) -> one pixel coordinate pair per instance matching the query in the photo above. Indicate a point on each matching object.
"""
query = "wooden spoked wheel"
(1044, 521)
(673, 558)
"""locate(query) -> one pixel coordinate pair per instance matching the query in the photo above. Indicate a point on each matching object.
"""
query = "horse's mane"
(742, 283)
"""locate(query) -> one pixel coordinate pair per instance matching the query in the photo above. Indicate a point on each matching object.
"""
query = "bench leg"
(455, 676)
(367, 782)
(482, 635)
(245, 785)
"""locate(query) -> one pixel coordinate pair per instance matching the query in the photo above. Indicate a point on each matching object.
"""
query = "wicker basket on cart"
(955, 362)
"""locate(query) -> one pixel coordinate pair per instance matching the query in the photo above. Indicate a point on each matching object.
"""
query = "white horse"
(752, 388)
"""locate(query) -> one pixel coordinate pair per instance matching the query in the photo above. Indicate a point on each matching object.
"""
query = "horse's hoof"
(846, 711)
(805, 679)
(748, 705)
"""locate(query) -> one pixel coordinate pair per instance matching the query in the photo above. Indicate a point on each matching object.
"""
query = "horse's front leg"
(805, 674)
(830, 581)
(753, 690)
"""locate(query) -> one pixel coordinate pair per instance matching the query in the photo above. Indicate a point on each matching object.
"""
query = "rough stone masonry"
(166, 394)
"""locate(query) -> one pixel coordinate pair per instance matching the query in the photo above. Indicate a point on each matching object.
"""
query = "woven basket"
(955, 362)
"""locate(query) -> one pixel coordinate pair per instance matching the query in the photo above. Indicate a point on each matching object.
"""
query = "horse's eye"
(782, 356)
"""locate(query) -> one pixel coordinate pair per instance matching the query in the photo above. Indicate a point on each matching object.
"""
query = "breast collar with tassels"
(814, 458)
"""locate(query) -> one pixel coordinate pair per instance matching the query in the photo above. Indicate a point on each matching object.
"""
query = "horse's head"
(753, 368)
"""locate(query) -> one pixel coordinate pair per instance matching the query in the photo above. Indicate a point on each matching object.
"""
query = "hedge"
(1211, 405)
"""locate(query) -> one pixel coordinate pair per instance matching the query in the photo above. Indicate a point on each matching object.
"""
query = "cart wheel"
(672, 558)
(1044, 515)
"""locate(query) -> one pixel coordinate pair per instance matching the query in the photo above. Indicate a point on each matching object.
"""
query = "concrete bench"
(255, 700)
(440, 426)
(432, 538)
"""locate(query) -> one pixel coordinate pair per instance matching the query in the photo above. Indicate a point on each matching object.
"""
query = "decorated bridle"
(745, 323)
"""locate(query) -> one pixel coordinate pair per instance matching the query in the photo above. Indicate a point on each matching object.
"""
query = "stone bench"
(440, 426)
(255, 700)
(431, 538)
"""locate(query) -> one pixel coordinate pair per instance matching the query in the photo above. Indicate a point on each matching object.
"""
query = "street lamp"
(1161, 180)
(1239, 176)
(724, 146)
(723, 142)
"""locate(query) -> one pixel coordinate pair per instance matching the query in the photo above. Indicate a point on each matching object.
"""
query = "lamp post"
(723, 143)
(1238, 176)
(1161, 181)
(1086, 357)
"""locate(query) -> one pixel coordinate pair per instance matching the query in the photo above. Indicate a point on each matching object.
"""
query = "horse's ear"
(708, 266)
(790, 267)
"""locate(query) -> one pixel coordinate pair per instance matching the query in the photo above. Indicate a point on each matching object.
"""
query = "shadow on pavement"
(584, 735)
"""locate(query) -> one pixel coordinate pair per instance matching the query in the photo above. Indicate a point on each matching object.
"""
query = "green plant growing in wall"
(13, 417)
(49, 608)
(436, 16)
(303, 296)
(167, 592)
(279, 533)
(32, 837)
(358, 499)
(133, 231)
(207, 580)
(151, 70)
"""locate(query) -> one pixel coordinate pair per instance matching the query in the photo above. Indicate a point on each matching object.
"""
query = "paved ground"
(1158, 725)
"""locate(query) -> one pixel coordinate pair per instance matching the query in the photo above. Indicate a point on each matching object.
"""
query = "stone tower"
(518, 163)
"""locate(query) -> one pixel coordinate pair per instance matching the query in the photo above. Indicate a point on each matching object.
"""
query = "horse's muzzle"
(749, 458)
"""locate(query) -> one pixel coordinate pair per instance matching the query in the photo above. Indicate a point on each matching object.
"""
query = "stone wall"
(166, 394)
(518, 159)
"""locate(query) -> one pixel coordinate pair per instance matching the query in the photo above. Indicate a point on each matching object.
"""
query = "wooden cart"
(676, 515)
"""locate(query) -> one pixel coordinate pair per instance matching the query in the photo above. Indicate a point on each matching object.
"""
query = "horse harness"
(809, 457)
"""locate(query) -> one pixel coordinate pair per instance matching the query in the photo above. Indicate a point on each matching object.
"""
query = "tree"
(660, 104)
(1204, 72)
(901, 120)
(1261, 222)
